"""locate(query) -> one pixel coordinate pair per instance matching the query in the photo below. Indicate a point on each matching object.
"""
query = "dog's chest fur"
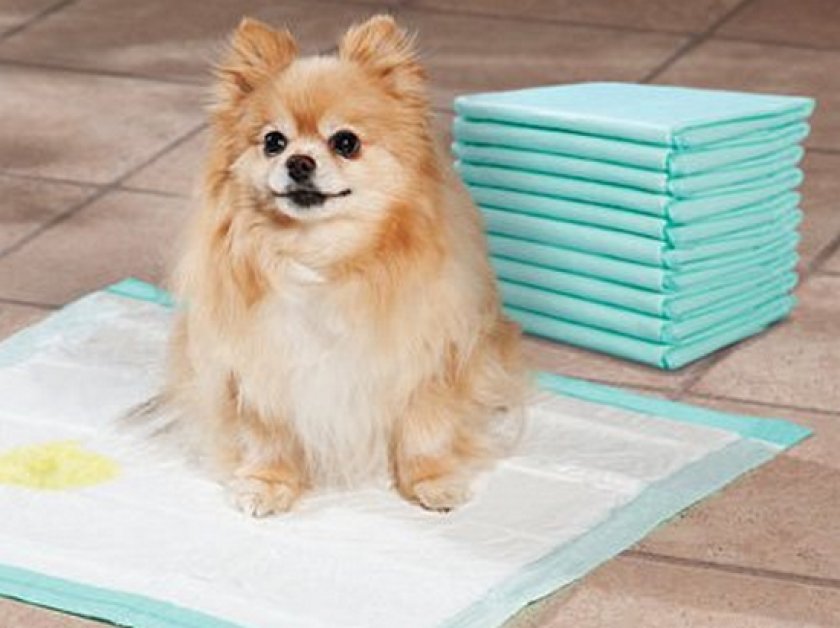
(312, 367)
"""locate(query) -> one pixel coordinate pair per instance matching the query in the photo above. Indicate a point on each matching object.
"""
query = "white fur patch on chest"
(308, 367)
(297, 273)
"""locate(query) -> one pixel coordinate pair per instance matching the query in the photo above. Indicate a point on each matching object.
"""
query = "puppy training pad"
(668, 116)
(659, 162)
(652, 181)
(153, 542)
(678, 210)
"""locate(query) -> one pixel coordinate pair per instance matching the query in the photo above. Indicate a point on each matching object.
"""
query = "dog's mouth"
(310, 197)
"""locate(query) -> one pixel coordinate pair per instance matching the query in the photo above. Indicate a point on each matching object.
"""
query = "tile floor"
(101, 133)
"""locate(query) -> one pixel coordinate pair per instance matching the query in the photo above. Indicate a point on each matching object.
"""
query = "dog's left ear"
(256, 52)
(387, 52)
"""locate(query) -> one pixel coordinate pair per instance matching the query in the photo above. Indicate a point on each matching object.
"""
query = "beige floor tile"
(28, 203)
(469, 53)
(782, 517)
(795, 363)
(177, 40)
(13, 318)
(177, 171)
(14, 13)
(88, 128)
(538, 613)
(820, 193)
(566, 360)
(808, 22)
(122, 234)
(685, 16)
(773, 69)
(631, 593)
(16, 615)
(832, 264)
(478, 7)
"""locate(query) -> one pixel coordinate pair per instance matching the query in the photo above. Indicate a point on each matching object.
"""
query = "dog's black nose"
(300, 168)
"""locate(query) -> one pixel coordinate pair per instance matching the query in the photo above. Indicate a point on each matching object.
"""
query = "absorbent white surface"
(164, 530)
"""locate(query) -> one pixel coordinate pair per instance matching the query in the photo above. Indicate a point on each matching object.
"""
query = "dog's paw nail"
(442, 494)
(258, 498)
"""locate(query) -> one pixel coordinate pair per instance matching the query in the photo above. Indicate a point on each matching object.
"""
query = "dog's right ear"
(256, 52)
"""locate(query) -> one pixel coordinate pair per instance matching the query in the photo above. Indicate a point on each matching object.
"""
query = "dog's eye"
(346, 144)
(274, 143)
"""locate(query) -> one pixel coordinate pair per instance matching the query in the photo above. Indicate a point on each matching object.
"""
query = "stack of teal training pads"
(654, 223)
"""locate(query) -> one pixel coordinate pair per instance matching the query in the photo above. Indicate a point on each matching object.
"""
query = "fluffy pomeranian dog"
(340, 321)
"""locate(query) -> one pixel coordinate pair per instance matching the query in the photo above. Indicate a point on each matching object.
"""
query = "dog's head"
(324, 137)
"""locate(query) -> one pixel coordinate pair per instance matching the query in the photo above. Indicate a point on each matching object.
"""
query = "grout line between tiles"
(152, 191)
(694, 42)
(408, 5)
(100, 192)
(35, 304)
(770, 574)
(824, 255)
(767, 404)
(47, 179)
(57, 219)
(53, 8)
(777, 44)
(823, 151)
(104, 73)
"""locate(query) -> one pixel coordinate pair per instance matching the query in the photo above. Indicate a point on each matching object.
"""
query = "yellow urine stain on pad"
(55, 466)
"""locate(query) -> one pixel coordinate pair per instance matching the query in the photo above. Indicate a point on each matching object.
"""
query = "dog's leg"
(261, 490)
(269, 478)
(434, 456)
(447, 435)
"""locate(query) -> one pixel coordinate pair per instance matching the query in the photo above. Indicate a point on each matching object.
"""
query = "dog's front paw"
(259, 498)
(442, 493)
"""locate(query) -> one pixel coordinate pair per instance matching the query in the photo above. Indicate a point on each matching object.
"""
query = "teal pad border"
(762, 440)
(775, 431)
(118, 607)
(628, 525)
(142, 291)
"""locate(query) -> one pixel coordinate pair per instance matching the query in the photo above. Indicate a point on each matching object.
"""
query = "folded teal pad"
(636, 324)
(642, 156)
(649, 180)
(660, 355)
(715, 271)
(724, 225)
(664, 205)
(680, 117)
(673, 305)
(631, 247)
(633, 222)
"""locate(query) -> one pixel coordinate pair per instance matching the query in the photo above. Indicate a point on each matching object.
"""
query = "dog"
(339, 320)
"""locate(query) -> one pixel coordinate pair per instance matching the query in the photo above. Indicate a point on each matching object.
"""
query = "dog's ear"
(387, 52)
(256, 52)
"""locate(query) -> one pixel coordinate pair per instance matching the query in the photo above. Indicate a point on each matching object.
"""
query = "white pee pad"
(159, 545)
